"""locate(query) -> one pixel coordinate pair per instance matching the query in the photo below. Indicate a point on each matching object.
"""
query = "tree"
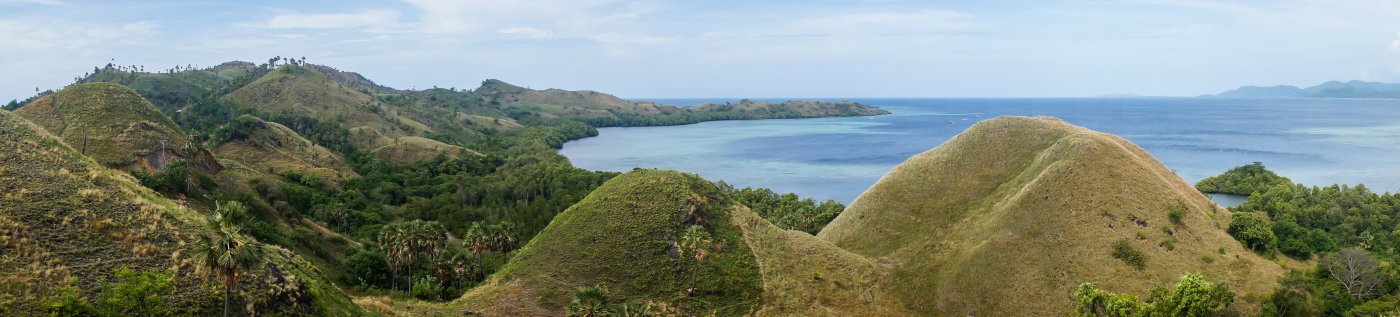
(1253, 229)
(1192, 296)
(1355, 271)
(135, 294)
(226, 251)
(695, 242)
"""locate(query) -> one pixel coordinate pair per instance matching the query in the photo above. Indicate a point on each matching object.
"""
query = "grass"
(805, 276)
(293, 90)
(272, 147)
(622, 237)
(1015, 212)
(115, 126)
(49, 234)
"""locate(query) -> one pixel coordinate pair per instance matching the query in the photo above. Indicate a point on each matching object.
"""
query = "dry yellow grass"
(416, 149)
(272, 147)
(47, 233)
(1009, 216)
(115, 126)
(806, 276)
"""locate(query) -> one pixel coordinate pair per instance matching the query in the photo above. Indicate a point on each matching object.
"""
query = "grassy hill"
(272, 148)
(117, 127)
(637, 219)
(629, 237)
(297, 91)
(64, 216)
(1011, 215)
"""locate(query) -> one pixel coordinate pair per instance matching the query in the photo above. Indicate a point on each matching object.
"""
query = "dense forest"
(1347, 234)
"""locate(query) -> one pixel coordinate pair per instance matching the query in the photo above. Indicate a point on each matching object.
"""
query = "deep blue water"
(1312, 141)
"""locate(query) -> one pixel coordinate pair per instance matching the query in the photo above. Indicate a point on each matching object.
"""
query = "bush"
(427, 288)
(1177, 213)
(589, 301)
(366, 269)
(135, 294)
(1124, 251)
(1192, 296)
(68, 302)
(1254, 230)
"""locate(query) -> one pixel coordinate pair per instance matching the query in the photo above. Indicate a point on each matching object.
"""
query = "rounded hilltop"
(116, 127)
(1011, 215)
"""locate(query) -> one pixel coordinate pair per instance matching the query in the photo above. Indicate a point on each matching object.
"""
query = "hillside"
(1011, 215)
(272, 148)
(64, 216)
(629, 236)
(637, 219)
(297, 91)
(1331, 89)
(117, 127)
(601, 109)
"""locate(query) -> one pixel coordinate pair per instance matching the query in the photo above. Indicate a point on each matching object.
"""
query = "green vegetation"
(673, 230)
(1242, 180)
(62, 215)
(129, 294)
(1124, 251)
(1192, 296)
(1349, 229)
(227, 253)
(787, 211)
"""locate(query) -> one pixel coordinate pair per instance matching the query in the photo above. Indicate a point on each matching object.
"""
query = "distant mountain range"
(1331, 89)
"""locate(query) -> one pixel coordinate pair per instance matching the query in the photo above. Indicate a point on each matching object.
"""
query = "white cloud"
(53, 34)
(1395, 46)
(370, 19)
(526, 32)
(52, 3)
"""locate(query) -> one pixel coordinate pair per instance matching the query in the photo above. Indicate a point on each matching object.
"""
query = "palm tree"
(227, 252)
(695, 241)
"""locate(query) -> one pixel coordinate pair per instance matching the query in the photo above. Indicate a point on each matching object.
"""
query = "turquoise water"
(1312, 141)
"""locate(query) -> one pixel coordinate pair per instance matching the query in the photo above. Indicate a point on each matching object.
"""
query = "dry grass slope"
(63, 215)
(1009, 216)
(806, 276)
(115, 126)
(270, 147)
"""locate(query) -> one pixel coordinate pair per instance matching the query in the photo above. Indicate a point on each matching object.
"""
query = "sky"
(723, 48)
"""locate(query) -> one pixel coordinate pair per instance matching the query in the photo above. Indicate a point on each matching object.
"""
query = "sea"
(1316, 142)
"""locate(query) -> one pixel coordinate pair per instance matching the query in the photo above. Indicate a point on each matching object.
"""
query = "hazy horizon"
(661, 49)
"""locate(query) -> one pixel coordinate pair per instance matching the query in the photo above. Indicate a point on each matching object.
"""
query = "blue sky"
(704, 48)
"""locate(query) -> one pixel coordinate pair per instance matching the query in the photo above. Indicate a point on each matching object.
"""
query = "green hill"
(293, 90)
(625, 236)
(64, 216)
(117, 127)
(272, 148)
(629, 235)
(1011, 215)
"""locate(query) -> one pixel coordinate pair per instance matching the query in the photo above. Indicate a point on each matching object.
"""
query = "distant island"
(1331, 89)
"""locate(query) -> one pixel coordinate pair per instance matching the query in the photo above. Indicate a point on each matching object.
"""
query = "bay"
(1313, 141)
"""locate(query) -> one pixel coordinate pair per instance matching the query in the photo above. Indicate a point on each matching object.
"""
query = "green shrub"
(1124, 251)
(68, 302)
(1254, 230)
(1192, 296)
(135, 294)
(427, 288)
(1177, 213)
(589, 301)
